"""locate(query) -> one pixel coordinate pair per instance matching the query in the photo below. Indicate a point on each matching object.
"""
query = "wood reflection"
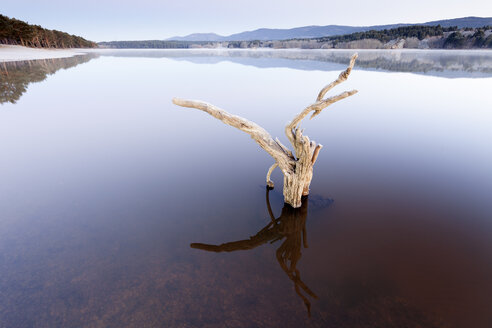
(290, 228)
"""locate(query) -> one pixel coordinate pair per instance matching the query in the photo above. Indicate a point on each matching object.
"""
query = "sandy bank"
(14, 53)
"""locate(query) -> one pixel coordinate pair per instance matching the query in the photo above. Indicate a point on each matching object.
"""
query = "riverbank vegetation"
(17, 32)
(413, 37)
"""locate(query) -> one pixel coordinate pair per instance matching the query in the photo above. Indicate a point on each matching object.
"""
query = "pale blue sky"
(105, 20)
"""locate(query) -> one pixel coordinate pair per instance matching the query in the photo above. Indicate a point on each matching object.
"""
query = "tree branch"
(317, 107)
(269, 182)
(320, 104)
(315, 154)
(342, 77)
(257, 133)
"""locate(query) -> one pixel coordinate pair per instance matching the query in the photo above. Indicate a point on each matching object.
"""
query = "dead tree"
(297, 169)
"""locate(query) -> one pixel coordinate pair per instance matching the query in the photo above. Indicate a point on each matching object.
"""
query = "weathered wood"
(306, 151)
(257, 133)
(270, 183)
(297, 169)
(316, 152)
(341, 78)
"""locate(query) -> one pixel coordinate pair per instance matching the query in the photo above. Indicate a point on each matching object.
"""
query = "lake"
(120, 209)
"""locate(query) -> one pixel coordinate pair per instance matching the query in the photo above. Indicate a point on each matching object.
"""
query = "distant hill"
(306, 32)
(17, 32)
(411, 37)
(462, 22)
(199, 37)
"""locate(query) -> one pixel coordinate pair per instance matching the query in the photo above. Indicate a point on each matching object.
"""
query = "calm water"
(105, 185)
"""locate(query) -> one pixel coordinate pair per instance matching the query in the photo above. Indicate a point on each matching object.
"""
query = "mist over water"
(105, 184)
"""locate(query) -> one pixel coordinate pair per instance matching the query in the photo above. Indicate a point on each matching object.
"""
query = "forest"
(414, 31)
(17, 32)
(157, 44)
(415, 36)
(465, 38)
(458, 40)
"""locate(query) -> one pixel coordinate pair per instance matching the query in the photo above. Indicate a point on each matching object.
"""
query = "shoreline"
(266, 49)
(10, 53)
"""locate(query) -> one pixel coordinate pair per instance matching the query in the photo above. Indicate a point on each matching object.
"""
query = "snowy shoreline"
(10, 53)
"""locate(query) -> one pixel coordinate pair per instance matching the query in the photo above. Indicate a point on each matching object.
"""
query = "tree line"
(156, 44)
(17, 32)
(414, 31)
(444, 37)
(479, 39)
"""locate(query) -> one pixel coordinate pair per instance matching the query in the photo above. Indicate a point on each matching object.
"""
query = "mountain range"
(314, 31)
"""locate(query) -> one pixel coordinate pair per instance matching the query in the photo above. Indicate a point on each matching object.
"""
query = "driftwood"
(290, 228)
(297, 169)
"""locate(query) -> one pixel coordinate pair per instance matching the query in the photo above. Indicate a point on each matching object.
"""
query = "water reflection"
(450, 64)
(16, 76)
(96, 219)
(290, 227)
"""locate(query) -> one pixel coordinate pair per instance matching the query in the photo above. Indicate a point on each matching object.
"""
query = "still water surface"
(105, 185)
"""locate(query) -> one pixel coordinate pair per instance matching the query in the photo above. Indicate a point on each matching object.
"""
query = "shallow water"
(105, 184)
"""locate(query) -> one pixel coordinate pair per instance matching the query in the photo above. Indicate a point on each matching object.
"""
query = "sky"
(108, 20)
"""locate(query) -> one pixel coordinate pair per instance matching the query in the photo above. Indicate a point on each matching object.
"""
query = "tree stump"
(297, 169)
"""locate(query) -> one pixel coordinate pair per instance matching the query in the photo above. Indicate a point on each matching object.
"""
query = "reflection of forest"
(442, 63)
(16, 76)
(450, 64)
